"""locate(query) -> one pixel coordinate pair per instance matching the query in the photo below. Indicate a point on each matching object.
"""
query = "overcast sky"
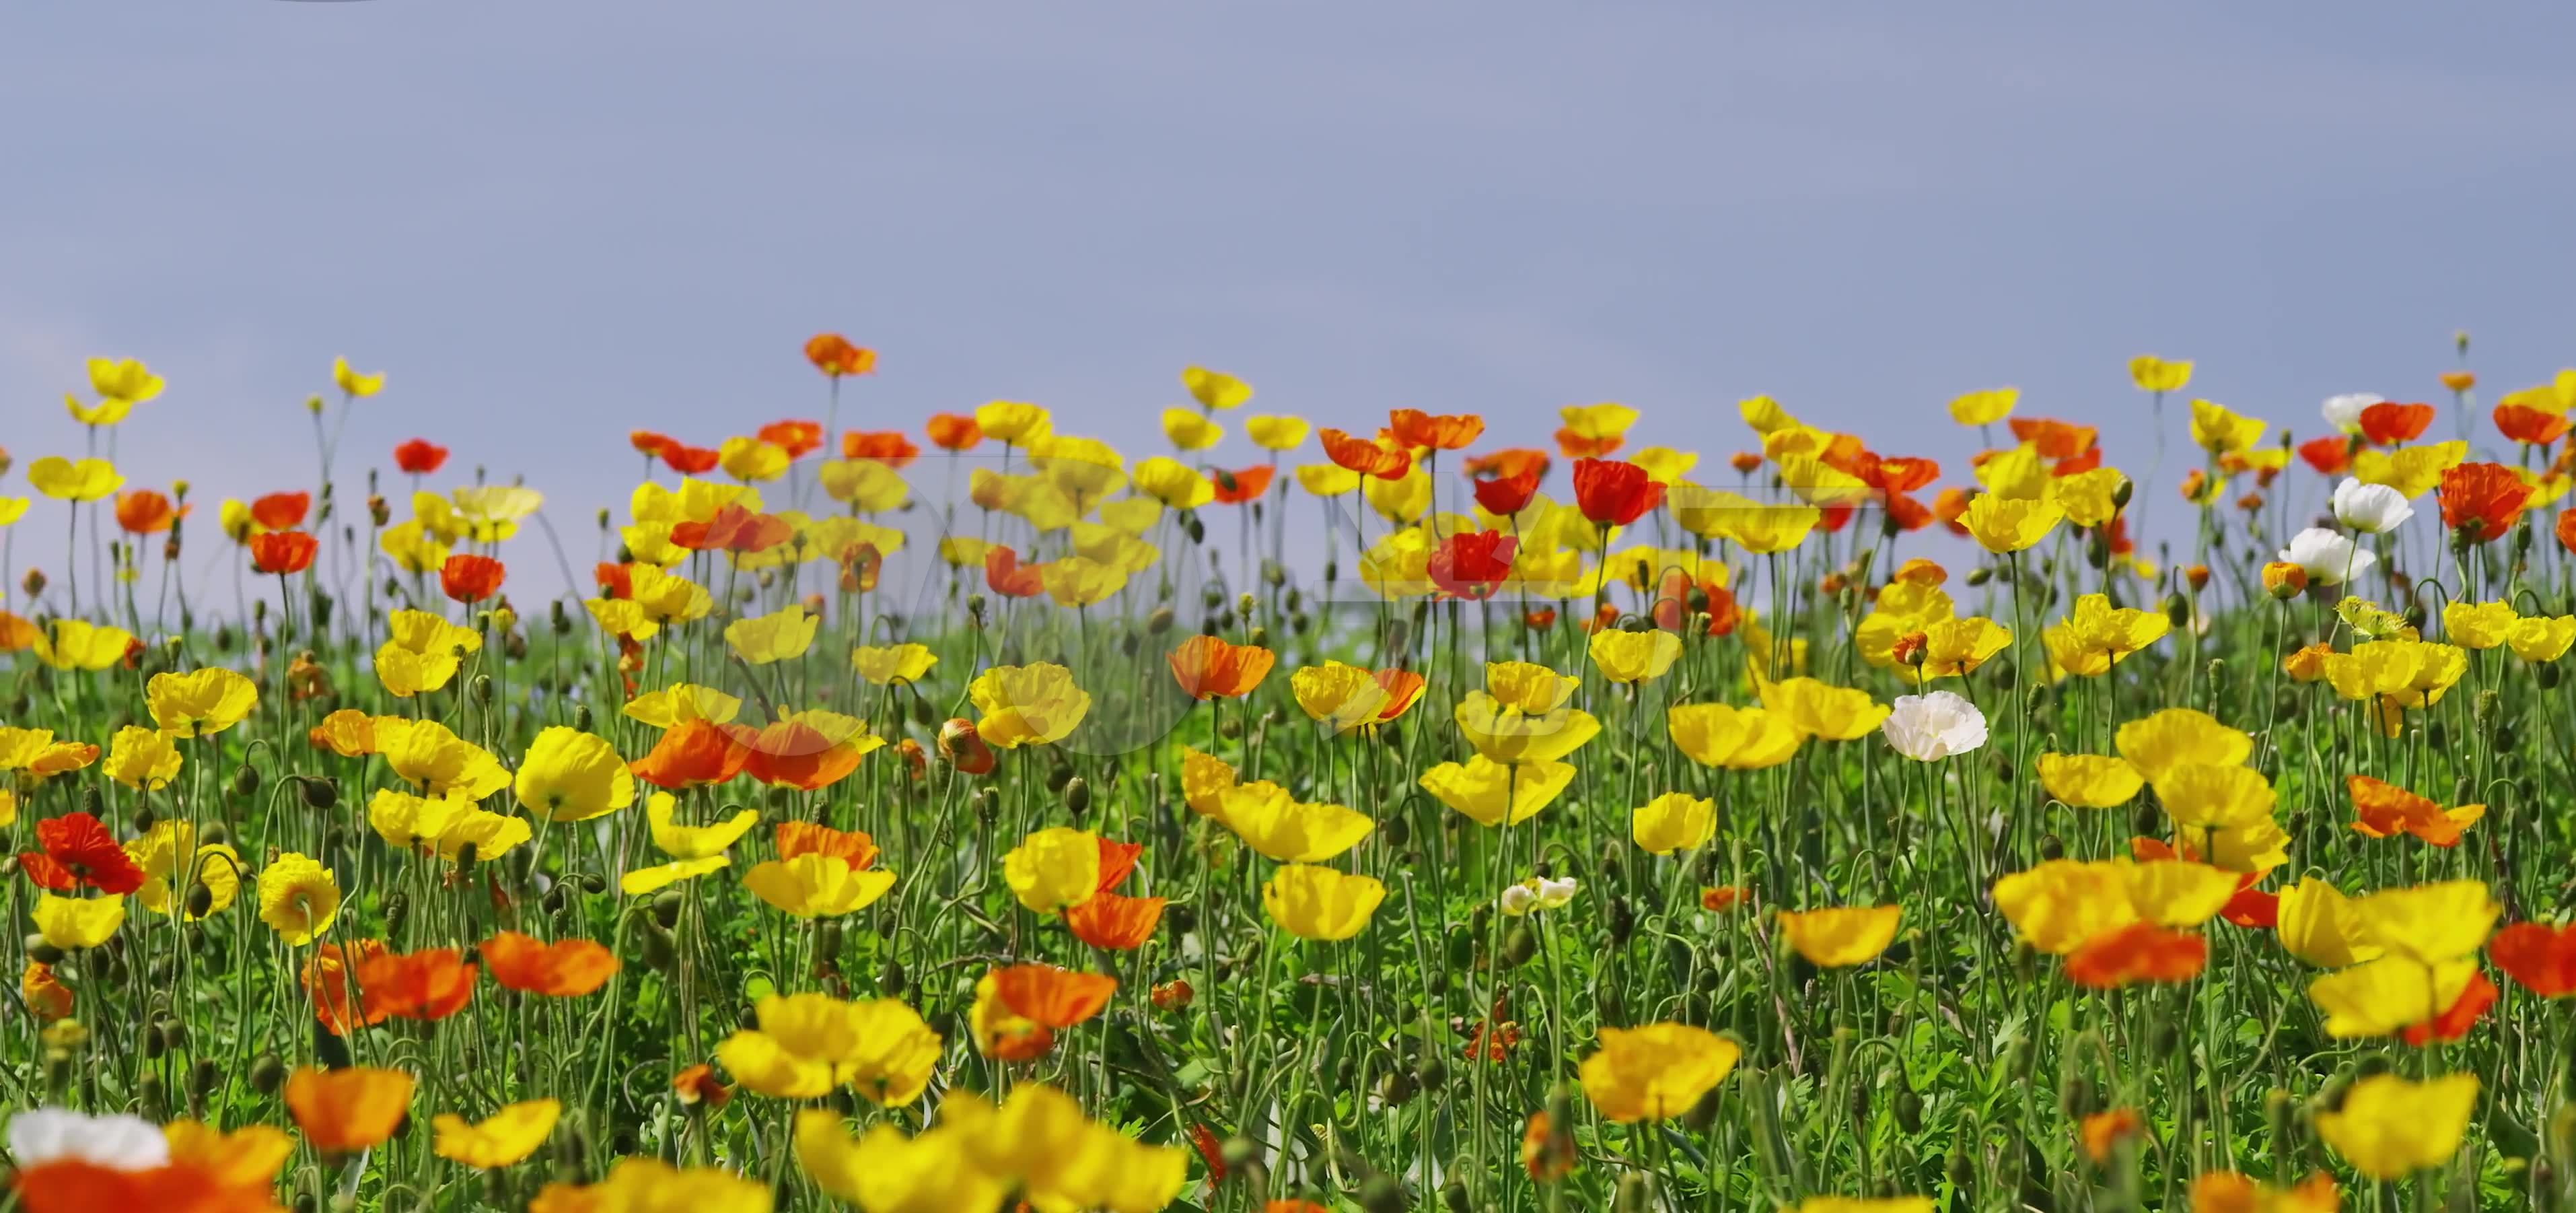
(552, 223)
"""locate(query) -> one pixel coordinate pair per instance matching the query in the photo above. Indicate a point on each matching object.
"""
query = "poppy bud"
(267, 1074)
(1397, 1088)
(1980, 575)
(1077, 796)
(201, 900)
(397, 909)
(1453, 1194)
(1519, 945)
(34, 583)
(1382, 1193)
(964, 749)
(1432, 1073)
(1623, 921)
(2197, 576)
(319, 793)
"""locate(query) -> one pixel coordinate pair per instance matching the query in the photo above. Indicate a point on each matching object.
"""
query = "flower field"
(950, 814)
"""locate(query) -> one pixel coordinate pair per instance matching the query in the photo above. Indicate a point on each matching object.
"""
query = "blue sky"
(553, 223)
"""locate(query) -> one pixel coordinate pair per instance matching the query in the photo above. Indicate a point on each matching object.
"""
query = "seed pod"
(267, 1074)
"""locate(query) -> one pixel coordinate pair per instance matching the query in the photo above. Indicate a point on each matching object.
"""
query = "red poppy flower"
(734, 529)
(690, 460)
(2463, 1014)
(1835, 517)
(2252, 908)
(282, 552)
(1508, 462)
(430, 984)
(2482, 500)
(692, 753)
(1505, 495)
(1575, 446)
(832, 354)
(2330, 455)
(1473, 564)
(1900, 475)
(1440, 431)
(797, 438)
(145, 512)
(470, 579)
(2531, 426)
(2541, 957)
(1235, 488)
(1363, 456)
(648, 443)
(78, 851)
(566, 968)
(328, 982)
(2138, 952)
(954, 432)
(2389, 423)
(1614, 492)
(889, 447)
(1114, 923)
(1004, 573)
(1051, 997)
(1207, 667)
(615, 580)
(280, 511)
(420, 456)
(801, 838)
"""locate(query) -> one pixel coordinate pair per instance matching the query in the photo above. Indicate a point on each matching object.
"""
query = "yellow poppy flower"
(866, 485)
(1598, 421)
(2542, 639)
(1672, 822)
(693, 842)
(1326, 479)
(781, 635)
(354, 383)
(73, 644)
(73, 923)
(436, 761)
(1629, 657)
(1275, 433)
(2090, 498)
(1739, 739)
(816, 886)
(142, 759)
(2431, 923)
(1191, 430)
(2089, 781)
(1843, 936)
(1215, 389)
(2412, 470)
(1655, 1072)
(1986, 407)
(681, 703)
(889, 664)
(887, 1172)
(569, 775)
(1014, 423)
(2153, 374)
(1281, 827)
(1507, 734)
(1077, 581)
(750, 459)
(298, 898)
(1035, 704)
(2221, 431)
(2384, 997)
(63, 479)
(125, 379)
(1313, 902)
(1490, 793)
(1816, 709)
(1403, 499)
(1054, 869)
(200, 702)
(2178, 737)
(2000, 524)
(1205, 779)
(2390, 1127)
(2483, 625)
(1173, 484)
(2321, 926)
(504, 1139)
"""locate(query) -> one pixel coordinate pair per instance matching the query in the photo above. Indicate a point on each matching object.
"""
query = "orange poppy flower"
(2389, 423)
(1172, 995)
(2567, 528)
(1677, 599)
(1613, 492)
(2252, 908)
(1117, 859)
(2384, 810)
(690, 460)
(964, 748)
(734, 529)
(327, 983)
(2329, 455)
(1207, 667)
(1051, 997)
(690, 754)
(2454, 1023)
(145, 512)
(1723, 898)
(2102, 1132)
(420, 456)
(832, 354)
(2055, 439)
(1114, 923)
(281, 511)
(1235, 488)
(2140, 951)
(1539, 620)
(76, 1185)
(282, 552)
(47, 998)
(1439, 431)
(954, 432)
(794, 754)
(797, 438)
(648, 443)
(697, 1085)
(348, 1110)
(615, 580)
(1403, 689)
(2531, 426)
(1363, 456)
(470, 579)
(1575, 446)
(889, 447)
(433, 983)
(566, 968)
(1508, 462)
(2482, 500)
(1507, 494)
(1473, 565)
(797, 839)
(2541, 957)
(1004, 573)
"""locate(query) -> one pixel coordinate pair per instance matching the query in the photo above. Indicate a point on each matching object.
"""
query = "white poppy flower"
(2372, 509)
(119, 1142)
(2329, 557)
(1929, 727)
(2344, 412)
